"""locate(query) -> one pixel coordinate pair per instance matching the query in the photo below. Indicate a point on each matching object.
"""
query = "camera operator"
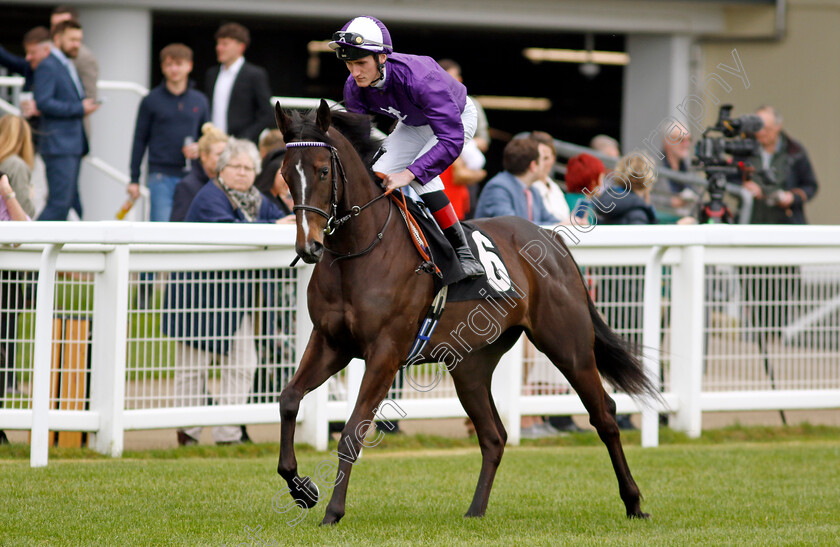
(676, 146)
(786, 179)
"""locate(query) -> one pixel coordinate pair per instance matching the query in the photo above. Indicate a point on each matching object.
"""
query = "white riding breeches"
(406, 143)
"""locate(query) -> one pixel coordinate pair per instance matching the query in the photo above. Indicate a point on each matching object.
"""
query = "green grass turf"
(739, 486)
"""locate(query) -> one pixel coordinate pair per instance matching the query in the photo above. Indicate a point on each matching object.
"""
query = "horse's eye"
(324, 172)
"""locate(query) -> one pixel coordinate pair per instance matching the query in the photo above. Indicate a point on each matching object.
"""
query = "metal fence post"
(506, 389)
(651, 334)
(110, 332)
(39, 447)
(687, 339)
(313, 430)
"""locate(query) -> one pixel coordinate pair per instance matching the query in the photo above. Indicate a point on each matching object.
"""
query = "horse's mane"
(354, 127)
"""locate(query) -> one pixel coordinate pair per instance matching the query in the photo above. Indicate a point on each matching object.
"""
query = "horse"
(366, 301)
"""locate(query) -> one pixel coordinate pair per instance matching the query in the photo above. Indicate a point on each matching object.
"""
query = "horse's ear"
(281, 118)
(324, 116)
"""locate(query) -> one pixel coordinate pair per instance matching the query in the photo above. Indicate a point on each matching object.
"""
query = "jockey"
(435, 119)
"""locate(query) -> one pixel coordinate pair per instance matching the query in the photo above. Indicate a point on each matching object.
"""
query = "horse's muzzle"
(311, 252)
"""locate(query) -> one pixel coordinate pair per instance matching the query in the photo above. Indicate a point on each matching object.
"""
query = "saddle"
(440, 260)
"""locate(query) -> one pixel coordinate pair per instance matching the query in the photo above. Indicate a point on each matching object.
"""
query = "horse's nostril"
(314, 250)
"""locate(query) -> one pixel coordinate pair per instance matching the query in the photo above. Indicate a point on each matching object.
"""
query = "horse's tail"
(616, 361)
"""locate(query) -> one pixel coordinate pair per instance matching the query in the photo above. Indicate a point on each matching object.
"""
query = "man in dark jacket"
(239, 92)
(169, 122)
(61, 101)
(780, 196)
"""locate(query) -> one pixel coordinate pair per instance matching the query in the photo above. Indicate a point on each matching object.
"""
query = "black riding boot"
(455, 235)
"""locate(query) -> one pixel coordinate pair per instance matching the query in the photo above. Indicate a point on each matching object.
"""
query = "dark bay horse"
(371, 306)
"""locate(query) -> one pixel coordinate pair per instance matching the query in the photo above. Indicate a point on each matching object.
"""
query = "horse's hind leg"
(583, 376)
(318, 363)
(472, 382)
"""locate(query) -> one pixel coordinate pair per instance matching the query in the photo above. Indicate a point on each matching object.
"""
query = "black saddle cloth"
(442, 254)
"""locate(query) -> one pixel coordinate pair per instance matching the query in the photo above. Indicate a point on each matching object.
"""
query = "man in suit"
(238, 90)
(60, 99)
(510, 192)
(85, 62)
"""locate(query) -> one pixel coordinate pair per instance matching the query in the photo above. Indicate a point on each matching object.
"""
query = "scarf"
(248, 202)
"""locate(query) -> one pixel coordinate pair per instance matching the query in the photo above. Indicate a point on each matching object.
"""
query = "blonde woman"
(17, 158)
(210, 146)
(629, 200)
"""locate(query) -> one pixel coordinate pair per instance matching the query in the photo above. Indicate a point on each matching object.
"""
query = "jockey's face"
(365, 70)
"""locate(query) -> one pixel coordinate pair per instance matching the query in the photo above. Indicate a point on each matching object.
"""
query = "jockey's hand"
(397, 180)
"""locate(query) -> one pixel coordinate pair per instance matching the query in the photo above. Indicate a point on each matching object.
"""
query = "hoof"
(330, 519)
(638, 515)
(306, 495)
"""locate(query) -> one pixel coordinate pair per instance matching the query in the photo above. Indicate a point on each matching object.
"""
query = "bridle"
(333, 221)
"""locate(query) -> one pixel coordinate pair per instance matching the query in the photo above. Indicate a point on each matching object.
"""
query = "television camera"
(724, 152)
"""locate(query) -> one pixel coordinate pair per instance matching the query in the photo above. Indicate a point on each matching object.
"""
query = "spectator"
(17, 158)
(623, 206)
(434, 119)
(271, 140)
(36, 44)
(169, 120)
(482, 128)
(780, 198)
(84, 61)
(272, 184)
(210, 146)
(469, 170)
(584, 179)
(10, 208)
(550, 192)
(509, 192)
(542, 373)
(784, 183)
(269, 376)
(676, 147)
(605, 145)
(61, 101)
(458, 182)
(213, 325)
(19, 65)
(250, 112)
(11, 295)
(233, 198)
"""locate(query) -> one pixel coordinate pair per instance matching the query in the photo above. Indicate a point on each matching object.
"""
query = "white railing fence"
(99, 322)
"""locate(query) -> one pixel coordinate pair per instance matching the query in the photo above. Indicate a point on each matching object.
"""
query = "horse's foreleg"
(318, 363)
(374, 388)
